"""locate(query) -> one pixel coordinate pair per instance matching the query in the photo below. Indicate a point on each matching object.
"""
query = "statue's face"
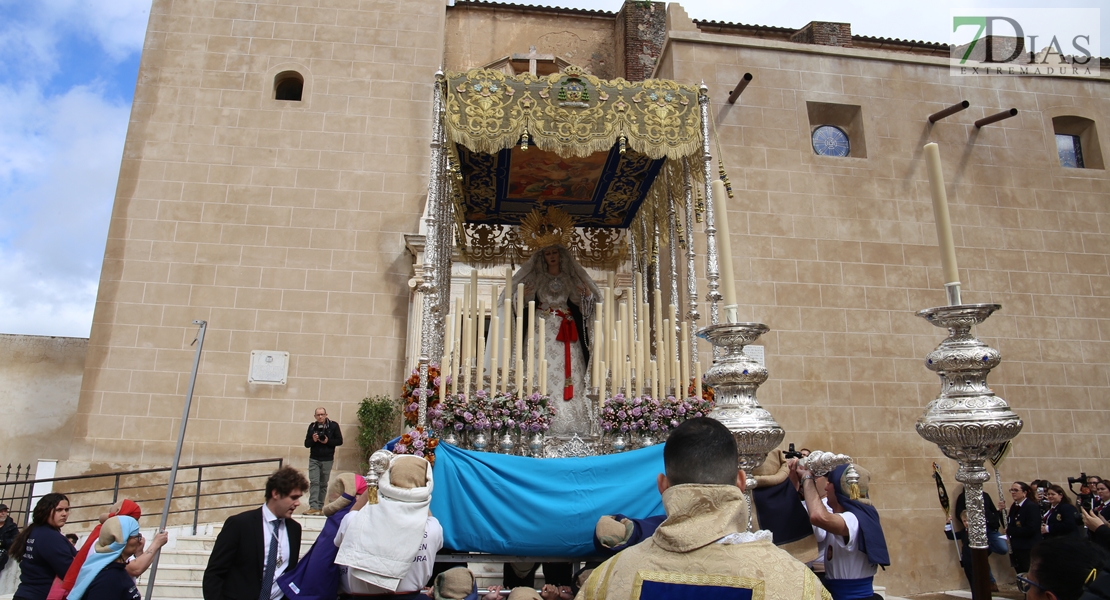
(551, 256)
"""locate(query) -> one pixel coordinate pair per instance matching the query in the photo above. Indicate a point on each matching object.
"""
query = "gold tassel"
(853, 491)
(372, 495)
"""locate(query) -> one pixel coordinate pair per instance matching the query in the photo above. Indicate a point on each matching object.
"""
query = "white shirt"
(268, 522)
(843, 558)
(414, 580)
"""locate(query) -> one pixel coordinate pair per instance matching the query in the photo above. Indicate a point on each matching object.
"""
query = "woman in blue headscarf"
(850, 538)
(104, 574)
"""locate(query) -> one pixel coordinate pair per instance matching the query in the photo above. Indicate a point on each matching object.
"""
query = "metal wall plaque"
(269, 367)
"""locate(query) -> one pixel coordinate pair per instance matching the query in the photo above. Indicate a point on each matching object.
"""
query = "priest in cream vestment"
(702, 549)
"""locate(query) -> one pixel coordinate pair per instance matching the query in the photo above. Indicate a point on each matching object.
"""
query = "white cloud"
(31, 39)
(59, 161)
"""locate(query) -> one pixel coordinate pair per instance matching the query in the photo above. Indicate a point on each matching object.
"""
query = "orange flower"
(432, 443)
(406, 439)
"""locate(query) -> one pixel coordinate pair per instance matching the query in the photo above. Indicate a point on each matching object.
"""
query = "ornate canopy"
(604, 152)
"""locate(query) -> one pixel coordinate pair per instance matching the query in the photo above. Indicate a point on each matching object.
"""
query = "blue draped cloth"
(522, 506)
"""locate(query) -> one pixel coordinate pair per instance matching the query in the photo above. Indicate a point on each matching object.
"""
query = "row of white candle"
(620, 353)
(463, 360)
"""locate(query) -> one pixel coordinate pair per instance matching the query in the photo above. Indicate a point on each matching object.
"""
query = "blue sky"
(67, 74)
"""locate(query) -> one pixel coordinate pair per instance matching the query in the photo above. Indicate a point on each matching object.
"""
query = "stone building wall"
(836, 255)
(479, 33)
(280, 223)
(40, 380)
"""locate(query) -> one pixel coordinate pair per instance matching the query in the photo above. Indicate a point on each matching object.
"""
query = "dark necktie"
(271, 562)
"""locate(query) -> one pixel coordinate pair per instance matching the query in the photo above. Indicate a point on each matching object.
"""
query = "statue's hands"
(494, 593)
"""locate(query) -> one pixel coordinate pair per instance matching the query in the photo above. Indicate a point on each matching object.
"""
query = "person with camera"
(322, 438)
(8, 531)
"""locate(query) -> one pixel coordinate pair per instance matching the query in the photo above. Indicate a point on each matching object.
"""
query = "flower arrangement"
(410, 398)
(418, 443)
(532, 413)
(650, 415)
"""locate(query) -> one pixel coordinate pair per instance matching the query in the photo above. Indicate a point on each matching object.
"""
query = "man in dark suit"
(256, 546)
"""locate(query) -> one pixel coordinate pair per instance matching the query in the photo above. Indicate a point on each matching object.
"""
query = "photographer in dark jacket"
(8, 531)
(322, 438)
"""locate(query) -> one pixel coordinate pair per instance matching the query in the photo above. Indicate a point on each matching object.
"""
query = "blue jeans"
(996, 542)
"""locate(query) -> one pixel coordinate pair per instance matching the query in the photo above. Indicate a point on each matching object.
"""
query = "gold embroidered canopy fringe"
(572, 113)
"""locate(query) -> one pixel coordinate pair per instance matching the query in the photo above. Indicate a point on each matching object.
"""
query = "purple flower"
(400, 449)
(621, 414)
(637, 411)
(458, 426)
(698, 414)
(418, 454)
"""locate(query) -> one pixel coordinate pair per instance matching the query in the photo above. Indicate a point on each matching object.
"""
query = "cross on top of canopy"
(608, 153)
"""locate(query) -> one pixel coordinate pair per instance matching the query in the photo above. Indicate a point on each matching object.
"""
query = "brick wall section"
(644, 32)
(279, 223)
(824, 33)
(836, 255)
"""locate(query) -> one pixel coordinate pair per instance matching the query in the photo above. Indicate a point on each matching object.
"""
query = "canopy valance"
(572, 113)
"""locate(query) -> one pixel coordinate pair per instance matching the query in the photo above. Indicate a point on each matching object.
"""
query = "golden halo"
(542, 229)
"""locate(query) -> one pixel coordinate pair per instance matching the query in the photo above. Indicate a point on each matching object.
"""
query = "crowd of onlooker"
(1056, 537)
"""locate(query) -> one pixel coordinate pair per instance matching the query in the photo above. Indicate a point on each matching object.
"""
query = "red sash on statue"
(568, 334)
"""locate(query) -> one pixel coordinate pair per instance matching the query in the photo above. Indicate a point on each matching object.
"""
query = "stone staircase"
(184, 558)
(181, 565)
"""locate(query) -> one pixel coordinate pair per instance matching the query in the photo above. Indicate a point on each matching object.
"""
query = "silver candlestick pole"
(967, 421)
(735, 377)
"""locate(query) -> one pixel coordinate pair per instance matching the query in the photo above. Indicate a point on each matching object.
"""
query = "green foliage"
(378, 422)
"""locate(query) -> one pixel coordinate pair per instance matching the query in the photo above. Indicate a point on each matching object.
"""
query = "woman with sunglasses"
(1062, 519)
(104, 574)
(1024, 524)
(1062, 568)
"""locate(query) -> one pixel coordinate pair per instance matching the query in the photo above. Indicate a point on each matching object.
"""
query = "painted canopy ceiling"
(590, 147)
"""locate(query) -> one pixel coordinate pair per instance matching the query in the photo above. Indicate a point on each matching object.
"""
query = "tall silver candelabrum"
(967, 421)
(735, 377)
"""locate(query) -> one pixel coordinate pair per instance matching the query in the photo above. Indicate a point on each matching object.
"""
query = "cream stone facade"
(283, 225)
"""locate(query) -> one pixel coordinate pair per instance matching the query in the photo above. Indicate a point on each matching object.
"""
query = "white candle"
(494, 358)
(480, 339)
(724, 249)
(940, 214)
(623, 326)
(665, 366)
(519, 348)
(543, 376)
(697, 379)
(541, 353)
(443, 369)
(519, 378)
(468, 335)
(654, 368)
(672, 354)
(595, 351)
(601, 387)
(618, 368)
(474, 290)
(530, 372)
(506, 341)
(455, 349)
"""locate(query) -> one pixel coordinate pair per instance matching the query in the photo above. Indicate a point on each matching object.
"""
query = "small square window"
(1070, 151)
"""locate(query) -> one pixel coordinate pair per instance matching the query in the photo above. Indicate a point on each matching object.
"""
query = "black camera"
(792, 453)
(1082, 480)
(321, 430)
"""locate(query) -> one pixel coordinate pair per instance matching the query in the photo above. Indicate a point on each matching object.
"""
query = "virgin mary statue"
(564, 294)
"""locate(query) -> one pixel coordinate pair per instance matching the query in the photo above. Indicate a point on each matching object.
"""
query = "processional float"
(620, 173)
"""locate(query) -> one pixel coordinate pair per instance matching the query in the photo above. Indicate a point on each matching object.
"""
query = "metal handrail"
(24, 490)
